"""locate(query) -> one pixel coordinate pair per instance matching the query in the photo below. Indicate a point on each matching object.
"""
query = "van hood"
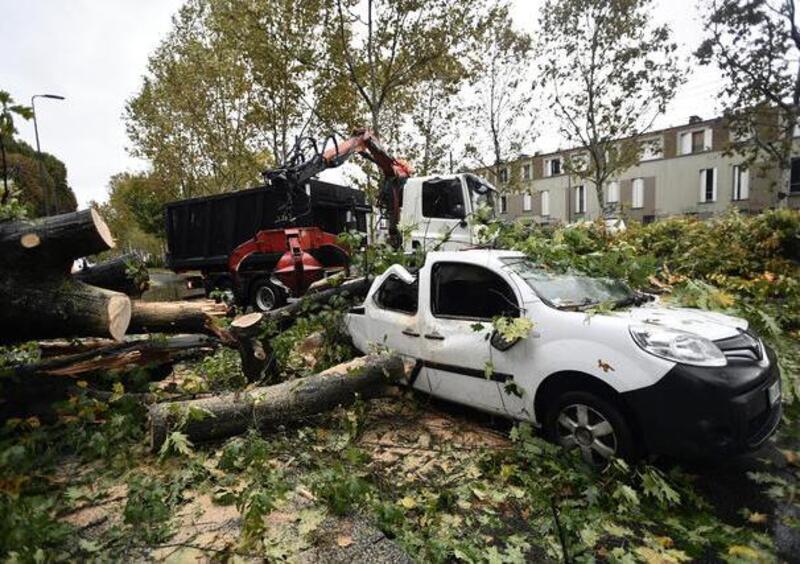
(708, 324)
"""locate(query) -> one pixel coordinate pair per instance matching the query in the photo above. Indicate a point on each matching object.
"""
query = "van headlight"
(678, 346)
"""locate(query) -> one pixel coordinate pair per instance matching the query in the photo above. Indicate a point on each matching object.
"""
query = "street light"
(39, 150)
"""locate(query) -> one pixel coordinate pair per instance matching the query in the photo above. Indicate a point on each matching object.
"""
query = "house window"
(443, 199)
(552, 167)
(708, 185)
(504, 176)
(527, 202)
(526, 172)
(612, 195)
(637, 193)
(580, 199)
(503, 203)
(741, 183)
(545, 203)
(396, 295)
(468, 291)
(695, 141)
(650, 149)
(794, 180)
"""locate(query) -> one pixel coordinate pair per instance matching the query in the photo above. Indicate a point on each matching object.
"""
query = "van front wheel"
(591, 425)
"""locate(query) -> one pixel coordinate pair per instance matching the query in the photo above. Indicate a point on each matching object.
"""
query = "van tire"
(601, 428)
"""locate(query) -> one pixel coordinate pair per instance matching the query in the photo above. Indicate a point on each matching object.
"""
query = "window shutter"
(526, 202)
(744, 189)
(714, 189)
(685, 142)
(702, 185)
(707, 138)
(545, 203)
(578, 199)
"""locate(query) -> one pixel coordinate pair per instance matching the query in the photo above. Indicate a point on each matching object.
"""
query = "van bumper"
(701, 412)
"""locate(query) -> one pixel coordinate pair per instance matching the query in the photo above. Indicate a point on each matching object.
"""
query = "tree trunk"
(53, 242)
(126, 273)
(233, 413)
(256, 355)
(43, 307)
(174, 317)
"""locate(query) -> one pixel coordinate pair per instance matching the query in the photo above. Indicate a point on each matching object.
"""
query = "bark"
(174, 317)
(53, 242)
(233, 413)
(62, 347)
(116, 356)
(126, 273)
(43, 307)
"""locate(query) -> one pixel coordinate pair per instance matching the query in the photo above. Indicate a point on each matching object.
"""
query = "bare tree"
(756, 45)
(501, 115)
(607, 73)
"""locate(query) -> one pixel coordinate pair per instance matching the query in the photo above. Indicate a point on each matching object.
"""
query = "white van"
(640, 378)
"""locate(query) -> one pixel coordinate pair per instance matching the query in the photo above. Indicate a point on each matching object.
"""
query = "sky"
(94, 52)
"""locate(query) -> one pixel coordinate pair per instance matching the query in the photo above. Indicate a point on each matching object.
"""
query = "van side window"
(396, 295)
(468, 291)
(443, 198)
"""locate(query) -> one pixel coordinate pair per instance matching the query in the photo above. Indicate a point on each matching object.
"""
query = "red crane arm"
(365, 143)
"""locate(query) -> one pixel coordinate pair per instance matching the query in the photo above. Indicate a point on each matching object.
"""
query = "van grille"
(744, 346)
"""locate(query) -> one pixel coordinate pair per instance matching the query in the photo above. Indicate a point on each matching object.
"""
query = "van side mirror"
(500, 343)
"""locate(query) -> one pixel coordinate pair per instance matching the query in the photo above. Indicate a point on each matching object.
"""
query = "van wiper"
(636, 299)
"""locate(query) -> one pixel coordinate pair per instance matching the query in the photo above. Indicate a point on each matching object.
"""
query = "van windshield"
(571, 290)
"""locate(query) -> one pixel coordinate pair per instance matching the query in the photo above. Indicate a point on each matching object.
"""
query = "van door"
(460, 303)
(443, 225)
(393, 317)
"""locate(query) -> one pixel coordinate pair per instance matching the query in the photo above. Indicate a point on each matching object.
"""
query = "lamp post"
(39, 149)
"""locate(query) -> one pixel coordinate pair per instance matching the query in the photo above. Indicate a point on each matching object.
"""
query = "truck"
(633, 378)
(203, 234)
(270, 243)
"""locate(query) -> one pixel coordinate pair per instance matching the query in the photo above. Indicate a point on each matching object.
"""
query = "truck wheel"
(265, 296)
(591, 424)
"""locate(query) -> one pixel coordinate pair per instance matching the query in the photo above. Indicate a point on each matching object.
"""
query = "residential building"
(683, 171)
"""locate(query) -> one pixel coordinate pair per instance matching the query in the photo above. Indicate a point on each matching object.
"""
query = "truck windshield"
(481, 193)
(570, 290)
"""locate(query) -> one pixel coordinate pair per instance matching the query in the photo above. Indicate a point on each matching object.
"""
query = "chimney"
(695, 119)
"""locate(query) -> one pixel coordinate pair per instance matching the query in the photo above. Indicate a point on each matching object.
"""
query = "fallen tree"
(114, 356)
(174, 317)
(248, 329)
(126, 273)
(233, 413)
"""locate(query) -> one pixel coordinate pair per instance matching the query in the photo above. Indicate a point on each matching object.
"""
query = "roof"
(473, 256)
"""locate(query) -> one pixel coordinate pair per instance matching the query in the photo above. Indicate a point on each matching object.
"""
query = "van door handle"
(408, 332)
(434, 336)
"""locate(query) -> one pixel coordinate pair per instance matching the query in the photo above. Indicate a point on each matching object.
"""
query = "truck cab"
(437, 210)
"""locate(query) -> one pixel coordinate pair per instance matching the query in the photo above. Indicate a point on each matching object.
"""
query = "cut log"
(126, 273)
(174, 317)
(233, 413)
(53, 242)
(255, 354)
(35, 307)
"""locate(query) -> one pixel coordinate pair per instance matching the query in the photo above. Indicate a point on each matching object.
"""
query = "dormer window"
(552, 166)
